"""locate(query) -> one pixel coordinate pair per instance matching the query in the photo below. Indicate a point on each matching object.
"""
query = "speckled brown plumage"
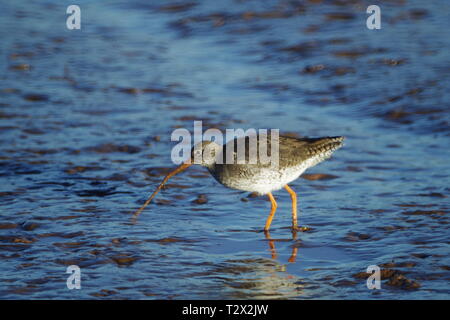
(295, 156)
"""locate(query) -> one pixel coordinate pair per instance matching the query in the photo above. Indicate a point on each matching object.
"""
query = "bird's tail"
(324, 145)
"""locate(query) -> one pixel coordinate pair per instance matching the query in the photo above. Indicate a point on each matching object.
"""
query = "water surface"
(85, 123)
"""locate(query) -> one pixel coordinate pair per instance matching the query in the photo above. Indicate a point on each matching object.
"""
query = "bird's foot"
(301, 229)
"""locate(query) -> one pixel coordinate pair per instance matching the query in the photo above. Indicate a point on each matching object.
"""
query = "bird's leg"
(295, 226)
(272, 212)
(294, 207)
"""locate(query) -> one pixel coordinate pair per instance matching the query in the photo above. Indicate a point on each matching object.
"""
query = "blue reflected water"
(85, 123)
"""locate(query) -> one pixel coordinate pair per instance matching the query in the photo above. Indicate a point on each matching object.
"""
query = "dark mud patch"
(157, 171)
(328, 71)
(318, 176)
(340, 16)
(344, 283)
(354, 236)
(401, 282)
(29, 226)
(170, 240)
(97, 192)
(7, 225)
(36, 97)
(13, 247)
(404, 115)
(111, 147)
(304, 49)
(357, 53)
(20, 67)
(82, 262)
(163, 202)
(395, 279)
(15, 239)
(163, 92)
(81, 169)
(178, 7)
(433, 195)
(104, 293)
(404, 264)
(201, 199)
(425, 213)
(70, 245)
(65, 235)
(124, 260)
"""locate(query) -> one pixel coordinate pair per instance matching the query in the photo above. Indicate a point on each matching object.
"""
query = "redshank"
(295, 156)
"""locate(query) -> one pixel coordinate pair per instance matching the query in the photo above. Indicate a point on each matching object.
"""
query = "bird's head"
(205, 153)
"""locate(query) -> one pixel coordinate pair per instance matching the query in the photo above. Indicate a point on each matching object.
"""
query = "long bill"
(171, 174)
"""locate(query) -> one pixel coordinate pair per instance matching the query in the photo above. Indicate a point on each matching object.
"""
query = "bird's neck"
(211, 167)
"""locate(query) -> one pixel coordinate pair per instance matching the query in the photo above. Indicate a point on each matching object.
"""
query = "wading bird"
(295, 155)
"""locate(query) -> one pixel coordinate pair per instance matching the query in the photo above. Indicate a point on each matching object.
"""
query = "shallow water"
(85, 124)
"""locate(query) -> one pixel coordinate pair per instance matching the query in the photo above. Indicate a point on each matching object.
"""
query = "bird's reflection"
(273, 250)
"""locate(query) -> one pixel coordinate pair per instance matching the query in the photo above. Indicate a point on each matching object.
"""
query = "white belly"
(266, 180)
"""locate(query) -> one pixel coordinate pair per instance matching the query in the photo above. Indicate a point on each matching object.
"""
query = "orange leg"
(294, 206)
(272, 211)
